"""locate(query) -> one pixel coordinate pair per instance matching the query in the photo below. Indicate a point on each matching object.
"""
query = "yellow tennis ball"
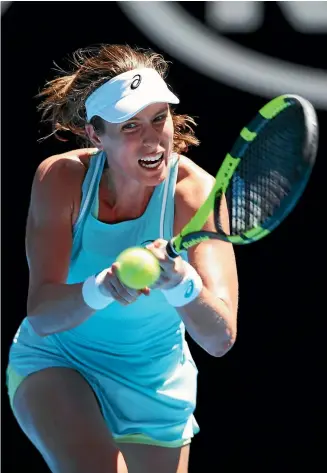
(139, 268)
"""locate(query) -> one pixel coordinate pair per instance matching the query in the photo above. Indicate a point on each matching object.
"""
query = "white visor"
(125, 95)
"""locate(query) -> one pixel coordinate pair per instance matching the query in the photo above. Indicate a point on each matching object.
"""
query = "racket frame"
(191, 234)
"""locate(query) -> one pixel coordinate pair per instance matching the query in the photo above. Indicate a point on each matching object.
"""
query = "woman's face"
(140, 148)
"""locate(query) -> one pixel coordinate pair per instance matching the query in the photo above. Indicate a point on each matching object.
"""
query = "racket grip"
(171, 252)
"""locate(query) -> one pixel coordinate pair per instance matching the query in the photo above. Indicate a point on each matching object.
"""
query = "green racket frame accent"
(274, 107)
(186, 238)
(248, 135)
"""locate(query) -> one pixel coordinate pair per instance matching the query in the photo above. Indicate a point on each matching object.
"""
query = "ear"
(93, 136)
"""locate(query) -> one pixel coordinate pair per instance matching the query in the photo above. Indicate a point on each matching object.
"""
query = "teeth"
(152, 159)
(151, 162)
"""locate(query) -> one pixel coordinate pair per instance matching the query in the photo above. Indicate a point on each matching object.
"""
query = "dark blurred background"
(261, 407)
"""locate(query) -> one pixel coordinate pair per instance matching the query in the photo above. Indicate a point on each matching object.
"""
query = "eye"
(160, 118)
(129, 126)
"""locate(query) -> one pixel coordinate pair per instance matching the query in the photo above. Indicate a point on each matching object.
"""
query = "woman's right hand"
(110, 285)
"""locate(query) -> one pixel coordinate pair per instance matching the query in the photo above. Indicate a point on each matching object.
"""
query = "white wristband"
(92, 295)
(187, 290)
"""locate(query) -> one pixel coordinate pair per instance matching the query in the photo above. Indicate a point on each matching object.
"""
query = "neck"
(132, 202)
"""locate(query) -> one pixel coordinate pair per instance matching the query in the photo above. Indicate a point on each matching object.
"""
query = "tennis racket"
(262, 178)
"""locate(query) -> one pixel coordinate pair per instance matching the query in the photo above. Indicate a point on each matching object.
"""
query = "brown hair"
(64, 97)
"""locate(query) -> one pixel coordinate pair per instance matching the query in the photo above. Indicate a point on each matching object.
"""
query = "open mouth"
(151, 162)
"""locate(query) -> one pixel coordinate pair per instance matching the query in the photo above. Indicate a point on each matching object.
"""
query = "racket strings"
(267, 172)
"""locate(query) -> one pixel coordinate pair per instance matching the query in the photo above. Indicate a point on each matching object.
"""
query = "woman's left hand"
(172, 270)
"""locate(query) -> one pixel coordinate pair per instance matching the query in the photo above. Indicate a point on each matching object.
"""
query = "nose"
(150, 137)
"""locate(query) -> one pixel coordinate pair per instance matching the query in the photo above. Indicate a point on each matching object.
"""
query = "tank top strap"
(161, 209)
(167, 214)
(89, 189)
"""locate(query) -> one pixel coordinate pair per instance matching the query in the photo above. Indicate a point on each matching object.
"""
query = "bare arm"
(52, 305)
(211, 319)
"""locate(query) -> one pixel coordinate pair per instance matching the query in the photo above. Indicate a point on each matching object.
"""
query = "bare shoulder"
(72, 162)
(59, 178)
(193, 183)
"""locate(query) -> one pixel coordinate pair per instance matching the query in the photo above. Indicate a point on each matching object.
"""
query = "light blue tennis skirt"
(136, 410)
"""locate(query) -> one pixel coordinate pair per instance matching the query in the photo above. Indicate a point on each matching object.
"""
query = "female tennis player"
(100, 376)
